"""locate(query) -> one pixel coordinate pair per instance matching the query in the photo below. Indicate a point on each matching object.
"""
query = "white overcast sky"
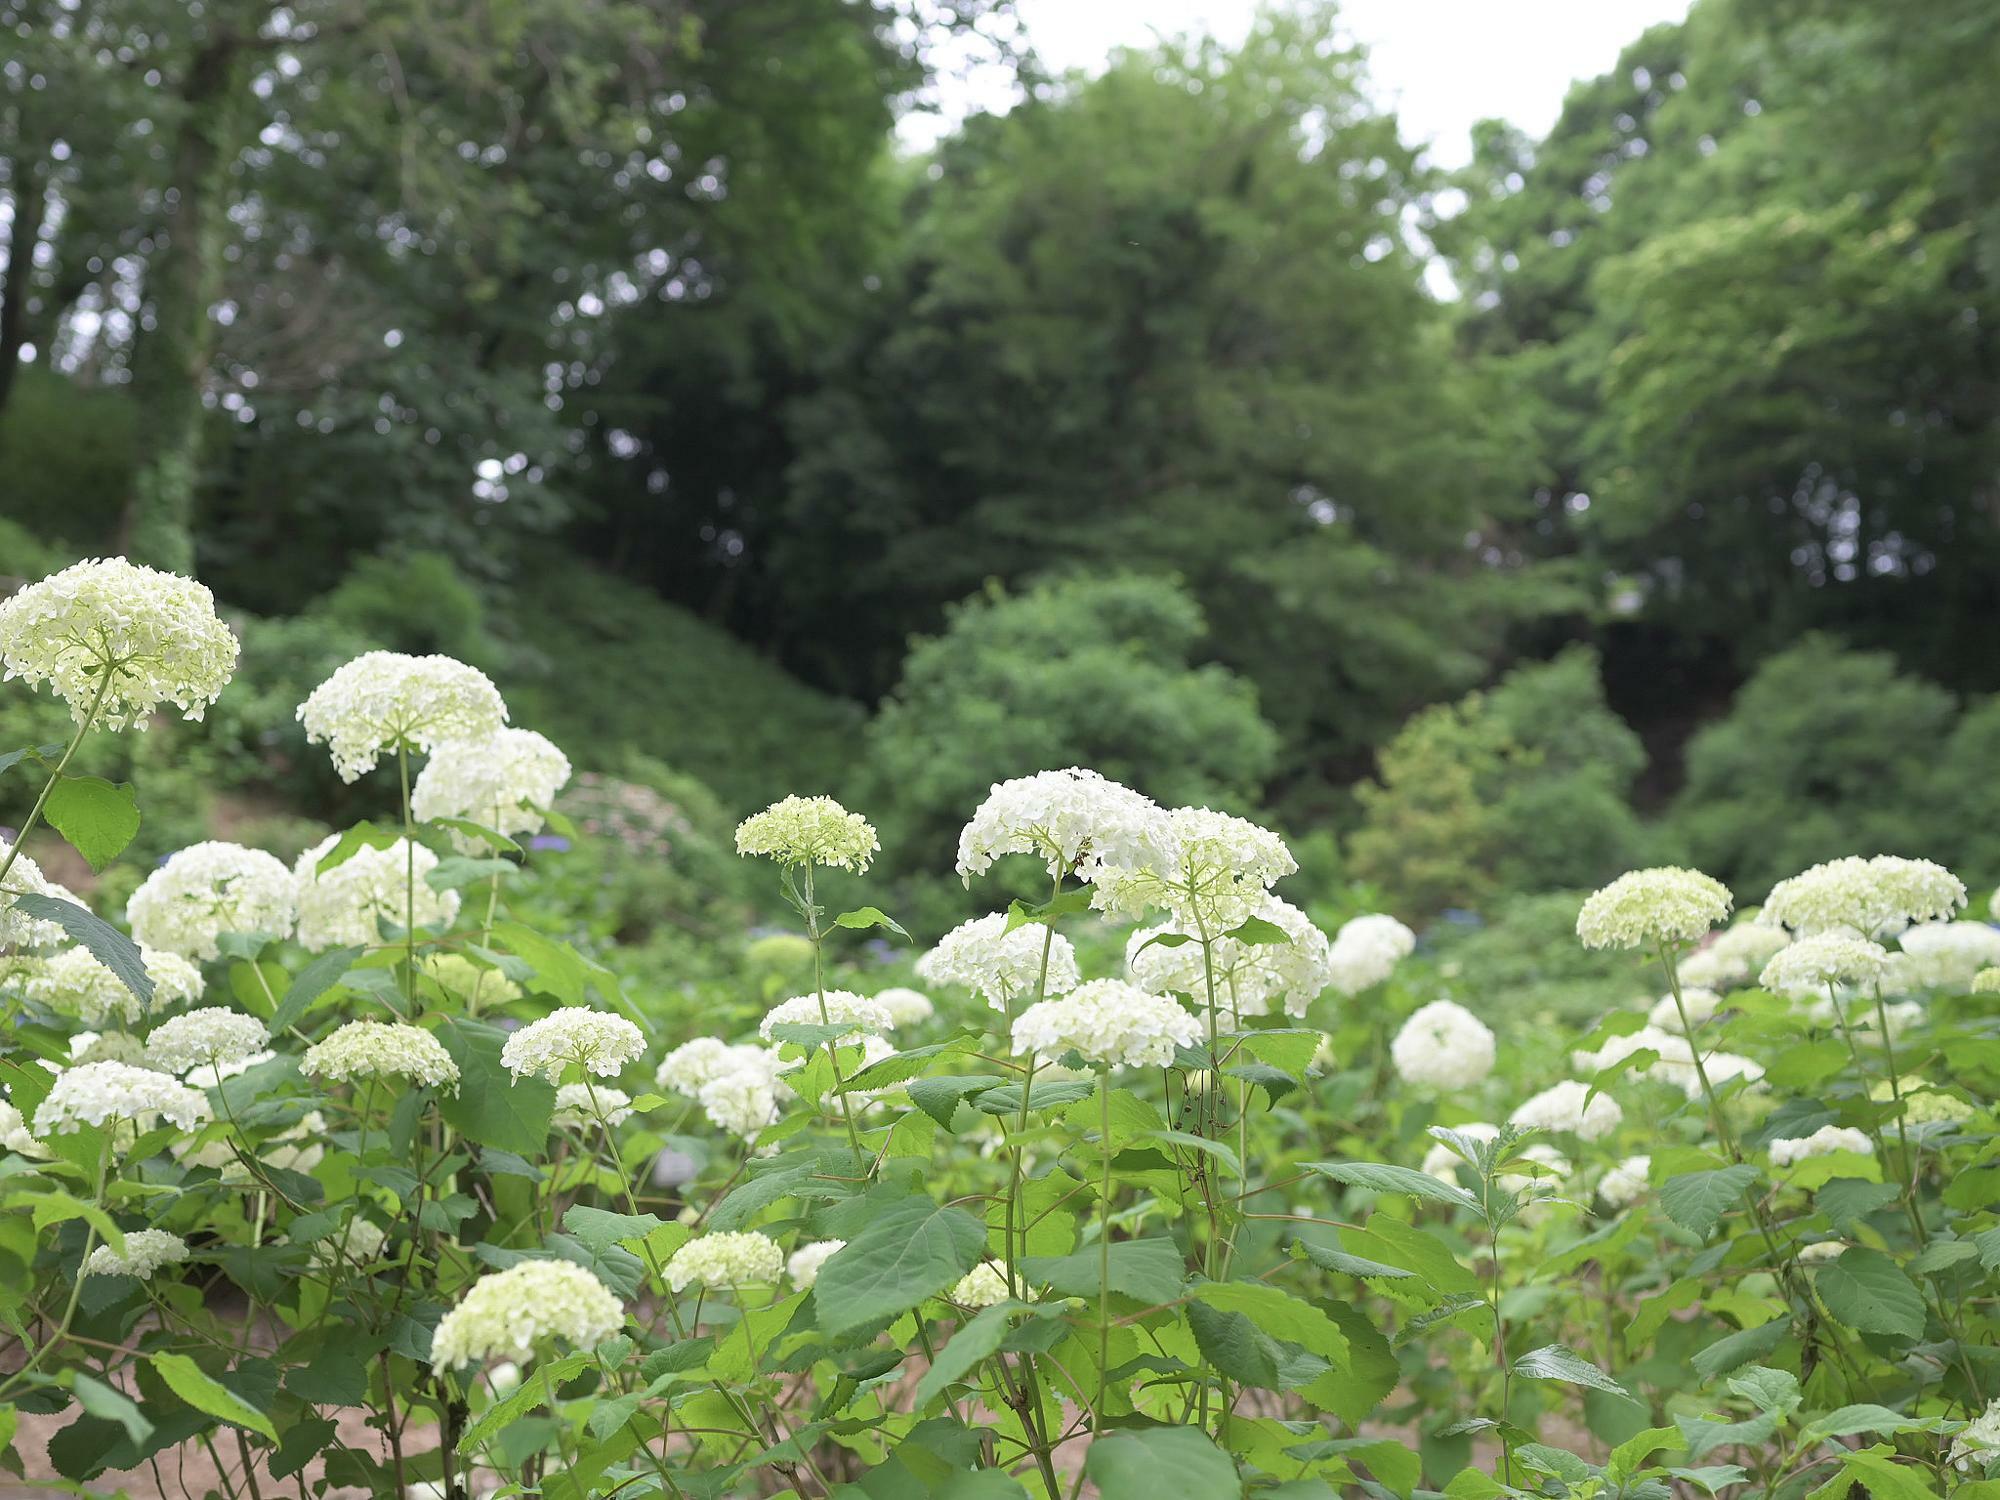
(1441, 64)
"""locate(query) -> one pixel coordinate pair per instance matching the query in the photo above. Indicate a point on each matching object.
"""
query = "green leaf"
(106, 943)
(458, 871)
(972, 1343)
(1021, 913)
(940, 1097)
(314, 980)
(1153, 1271)
(30, 752)
(1774, 1391)
(1698, 1200)
(600, 1229)
(1876, 1471)
(492, 838)
(911, 1250)
(559, 970)
(1190, 1142)
(864, 917)
(1387, 1179)
(490, 1107)
(1241, 1350)
(1159, 1462)
(736, 1208)
(1865, 1416)
(363, 835)
(1053, 1094)
(1258, 932)
(1347, 1265)
(1847, 1200)
(98, 817)
(1870, 1293)
(113, 1405)
(1279, 1314)
(1740, 1347)
(204, 1393)
(530, 1394)
(1557, 1362)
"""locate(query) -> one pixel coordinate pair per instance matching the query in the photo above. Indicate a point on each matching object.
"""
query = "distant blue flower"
(553, 841)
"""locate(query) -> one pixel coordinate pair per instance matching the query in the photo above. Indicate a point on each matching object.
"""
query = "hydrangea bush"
(1159, 1189)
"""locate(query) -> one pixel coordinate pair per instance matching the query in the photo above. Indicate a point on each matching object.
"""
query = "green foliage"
(1081, 671)
(68, 456)
(1519, 789)
(417, 602)
(1522, 958)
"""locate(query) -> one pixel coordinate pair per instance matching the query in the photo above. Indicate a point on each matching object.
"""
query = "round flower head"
(581, 1106)
(1700, 1004)
(1249, 977)
(203, 1039)
(1922, 1105)
(1676, 1053)
(1366, 952)
(1668, 905)
(803, 1264)
(103, 1093)
(109, 1046)
(1442, 1162)
(809, 831)
(1562, 1108)
(1951, 954)
(1002, 966)
(476, 984)
(1443, 1046)
(358, 1244)
(208, 889)
(146, 1250)
(690, 1065)
(15, 1137)
(505, 781)
(135, 635)
(1215, 871)
(572, 1036)
(1813, 963)
(1822, 1142)
(1107, 1021)
(1978, 1442)
(1073, 821)
(982, 1286)
(1873, 897)
(1735, 956)
(1722, 1068)
(745, 1100)
(834, 1008)
(75, 983)
(381, 1049)
(17, 928)
(518, 1312)
(726, 1259)
(1626, 1183)
(347, 905)
(906, 1007)
(383, 701)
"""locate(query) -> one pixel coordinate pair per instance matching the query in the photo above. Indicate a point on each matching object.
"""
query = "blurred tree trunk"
(31, 202)
(171, 360)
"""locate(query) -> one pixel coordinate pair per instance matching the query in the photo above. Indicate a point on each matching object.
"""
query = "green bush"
(1522, 788)
(67, 453)
(1080, 671)
(1825, 751)
(414, 601)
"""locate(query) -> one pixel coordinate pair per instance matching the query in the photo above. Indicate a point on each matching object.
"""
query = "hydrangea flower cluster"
(1109, 1022)
(1812, 963)
(726, 1259)
(15, 1137)
(1627, 1182)
(831, 1008)
(1822, 1142)
(155, 636)
(809, 831)
(516, 1313)
(358, 1243)
(106, 1093)
(1874, 897)
(1215, 871)
(803, 1264)
(906, 1007)
(1366, 951)
(1950, 954)
(1976, 1443)
(982, 1286)
(202, 1039)
(475, 984)
(383, 701)
(1563, 1108)
(1001, 966)
(1700, 1005)
(1443, 1046)
(381, 1049)
(1735, 957)
(146, 1251)
(573, 1036)
(77, 984)
(17, 928)
(1249, 977)
(505, 781)
(737, 1086)
(1073, 821)
(346, 905)
(582, 1106)
(208, 889)
(1667, 905)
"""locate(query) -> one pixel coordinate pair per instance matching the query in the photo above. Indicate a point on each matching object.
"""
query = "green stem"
(41, 799)
(409, 885)
(819, 990)
(76, 1287)
(1103, 1251)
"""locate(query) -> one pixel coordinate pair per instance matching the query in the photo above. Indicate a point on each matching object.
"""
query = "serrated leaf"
(1381, 1178)
(1850, 1421)
(911, 1250)
(98, 817)
(29, 752)
(491, 837)
(974, 1342)
(1161, 1461)
(1558, 1362)
(1150, 1270)
(206, 1394)
(109, 1403)
(600, 1229)
(1698, 1200)
(1259, 932)
(1347, 1265)
(454, 872)
(363, 835)
(1021, 913)
(1740, 1347)
(106, 943)
(490, 1106)
(314, 980)
(864, 917)
(1870, 1293)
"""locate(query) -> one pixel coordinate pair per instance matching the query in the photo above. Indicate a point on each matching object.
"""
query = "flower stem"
(41, 799)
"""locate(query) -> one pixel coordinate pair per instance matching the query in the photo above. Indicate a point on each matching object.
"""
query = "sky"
(1441, 64)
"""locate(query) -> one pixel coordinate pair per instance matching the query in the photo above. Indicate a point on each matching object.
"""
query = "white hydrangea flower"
(1001, 966)
(1822, 1142)
(208, 889)
(358, 1243)
(1986, 982)
(17, 928)
(1443, 1163)
(726, 1259)
(214, 1073)
(383, 700)
(202, 1039)
(15, 1137)
(1701, 1005)
(809, 831)
(381, 1049)
(1444, 1046)
(1107, 1021)
(1666, 905)
(1734, 957)
(690, 1065)
(982, 1286)
(1215, 871)
(156, 634)
(517, 1312)
(146, 1251)
(1674, 1049)
(1249, 977)
(346, 905)
(1821, 1251)
(1366, 951)
(102, 1093)
(505, 781)
(1722, 1068)
(75, 983)
(803, 1264)
(906, 1007)
(744, 1101)
(1626, 1183)
(1562, 1108)
(581, 1105)
(1948, 955)
(1975, 1444)
(1874, 897)
(1814, 962)
(478, 985)
(832, 1008)
(109, 1046)
(297, 1148)
(1073, 821)
(573, 1035)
